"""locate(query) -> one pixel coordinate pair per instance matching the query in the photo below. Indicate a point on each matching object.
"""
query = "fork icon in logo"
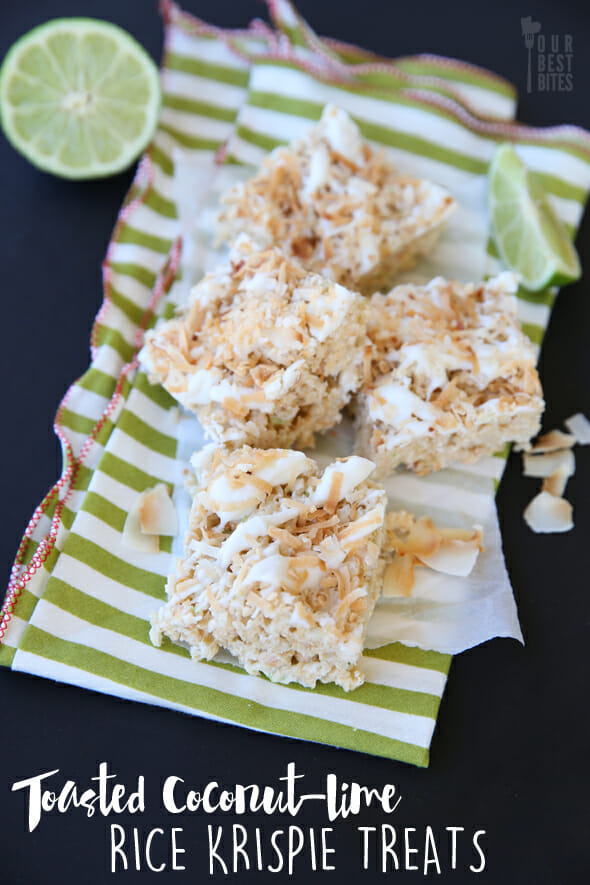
(529, 29)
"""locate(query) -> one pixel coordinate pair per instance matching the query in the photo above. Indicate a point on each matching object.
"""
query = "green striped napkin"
(79, 600)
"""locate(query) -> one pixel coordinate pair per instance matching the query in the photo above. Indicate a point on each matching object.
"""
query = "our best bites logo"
(549, 58)
(236, 847)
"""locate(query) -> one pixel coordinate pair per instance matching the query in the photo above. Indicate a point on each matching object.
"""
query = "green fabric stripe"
(571, 144)
(211, 71)
(397, 700)
(96, 612)
(217, 703)
(161, 159)
(126, 473)
(146, 434)
(155, 392)
(460, 75)
(29, 550)
(561, 188)
(112, 337)
(129, 234)
(193, 142)
(104, 510)
(51, 560)
(98, 382)
(141, 274)
(82, 478)
(113, 567)
(534, 332)
(7, 654)
(25, 604)
(67, 517)
(78, 423)
(203, 108)
(545, 296)
(415, 657)
(132, 311)
(266, 142)
(159, 203)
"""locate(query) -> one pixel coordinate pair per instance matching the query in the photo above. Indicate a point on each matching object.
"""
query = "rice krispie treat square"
(281, 564)
(452, 375)
(266, 353)
(338, 206)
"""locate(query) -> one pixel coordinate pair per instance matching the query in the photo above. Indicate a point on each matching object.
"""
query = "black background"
(509, 755)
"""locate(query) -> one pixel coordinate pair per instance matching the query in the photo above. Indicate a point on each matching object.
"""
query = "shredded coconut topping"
(281, 576)
(449, 364)
(265, 352)
(338, 206)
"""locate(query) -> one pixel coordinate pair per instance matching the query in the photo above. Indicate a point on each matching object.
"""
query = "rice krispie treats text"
(338, 206)
(266, 353)
(452, 375)
(281, 564)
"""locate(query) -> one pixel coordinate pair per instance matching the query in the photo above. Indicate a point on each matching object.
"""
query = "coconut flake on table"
(546, 513)
(157, 514)
(579, 426)
(543, 465)
(554, 441)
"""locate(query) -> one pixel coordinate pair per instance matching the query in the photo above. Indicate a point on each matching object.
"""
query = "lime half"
(79, 97)
(530, 237)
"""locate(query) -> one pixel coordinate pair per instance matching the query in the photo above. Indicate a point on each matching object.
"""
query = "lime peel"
(79, 97)
(529, 236)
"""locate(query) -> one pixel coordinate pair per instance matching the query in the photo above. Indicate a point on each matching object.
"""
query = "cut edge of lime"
(131, 149)
(559, 262)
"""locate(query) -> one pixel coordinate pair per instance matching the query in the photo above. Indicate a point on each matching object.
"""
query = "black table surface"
(509, 754)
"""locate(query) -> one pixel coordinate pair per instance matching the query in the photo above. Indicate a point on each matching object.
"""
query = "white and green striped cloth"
(78, 604)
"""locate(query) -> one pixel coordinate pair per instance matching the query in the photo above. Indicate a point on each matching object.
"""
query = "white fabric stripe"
(406, 727)
(16, 628)
(570, 211)
(130, 253)
(98, 532)
(210, 91)
(249, 154)
(135, 453)
(195, 124)
(131, 288)
(208, 49)
(402, 118)
(404, 676)
(485, 101)
(86, 403)
(114, 318)
(151, 222)
(26, 662)
(556, 162)
(537, 314)
(116, 492)
(93, 583)
(108, 360)
(41, 528)
(165, 420)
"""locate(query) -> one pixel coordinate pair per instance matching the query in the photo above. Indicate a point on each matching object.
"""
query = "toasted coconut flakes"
(579, 426)
(398, 579)
(542, 466)
(556, 483)
(157, 514)
(454, 557)
(546, 513)
(553, 442)
(133, 535)
(423, 539)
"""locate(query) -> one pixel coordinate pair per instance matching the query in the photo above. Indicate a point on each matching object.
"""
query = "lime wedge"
(530, 237)
(79, 97)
